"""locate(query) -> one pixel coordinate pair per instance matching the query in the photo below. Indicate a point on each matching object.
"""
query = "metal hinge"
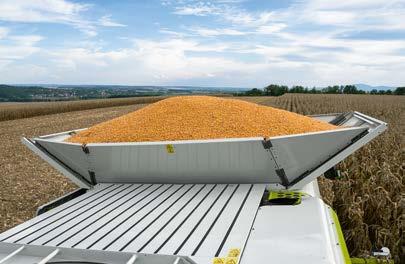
(93, 177)
(267, 144)
(339, 119)
(359, 136)
(85, 149)
(283, 177)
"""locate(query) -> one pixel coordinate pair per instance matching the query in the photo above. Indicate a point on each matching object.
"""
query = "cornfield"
(369, 199)
(10, 111)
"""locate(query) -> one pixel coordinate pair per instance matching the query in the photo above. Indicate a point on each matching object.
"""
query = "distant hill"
(368, 88)
(54, 92)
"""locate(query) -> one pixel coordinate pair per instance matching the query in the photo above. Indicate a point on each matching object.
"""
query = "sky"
(235, 43)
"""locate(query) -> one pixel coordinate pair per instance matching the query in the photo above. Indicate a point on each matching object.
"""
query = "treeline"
(277, 90)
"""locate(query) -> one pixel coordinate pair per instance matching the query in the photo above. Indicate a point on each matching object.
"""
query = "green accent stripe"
(341, 238)
(371, 261)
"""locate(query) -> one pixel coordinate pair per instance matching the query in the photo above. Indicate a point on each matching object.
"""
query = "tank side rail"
(59, 201)
(12, 254)
(49, 257)
(353, 118)
(328, 118)
(375, 127)
(57, 164)
(28, 254)
(62, 135)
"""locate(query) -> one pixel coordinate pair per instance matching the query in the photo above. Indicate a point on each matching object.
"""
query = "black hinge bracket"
(267, 144)
(339, 119)
(362, 134)
(283, 177)
(85, 149)
(93, 177)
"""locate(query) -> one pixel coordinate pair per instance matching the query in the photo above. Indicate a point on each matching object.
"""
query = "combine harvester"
(243, 200)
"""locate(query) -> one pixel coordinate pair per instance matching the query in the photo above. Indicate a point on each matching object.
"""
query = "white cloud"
(152, 62)
(108, 22)
(301, 44)
(226, 11)
(198, 9)
(208, 32)
(349, 15)
(271, 28)
(46, 11)
(18, 47)
(52, 11)
(28, 40)
(40, 10)
(10, 53)
(215, 32)
(177, 60)
(352, 4)
(3, 32)
(173, 33)
(353, 15)
(58, 11)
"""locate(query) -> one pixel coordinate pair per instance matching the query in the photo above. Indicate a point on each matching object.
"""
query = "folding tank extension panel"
(291, 161)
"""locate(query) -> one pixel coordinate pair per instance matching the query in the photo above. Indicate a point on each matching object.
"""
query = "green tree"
(297, 89)
(400, 91)
(350, 89)
(331, 89)
(254, 92)
(275, 90)
(381, 92)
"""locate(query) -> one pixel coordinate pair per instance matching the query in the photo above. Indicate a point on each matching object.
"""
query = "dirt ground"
(26, 181)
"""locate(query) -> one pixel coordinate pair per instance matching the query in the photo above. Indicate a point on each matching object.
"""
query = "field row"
(11, 111)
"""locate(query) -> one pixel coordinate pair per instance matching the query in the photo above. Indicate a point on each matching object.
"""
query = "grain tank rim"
(292, 160)
(61, 137)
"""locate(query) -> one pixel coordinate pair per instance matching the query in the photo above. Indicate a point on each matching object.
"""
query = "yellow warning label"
(231, 258)
(218, 261)
(170, 148)
(226, 260)
(234, 252)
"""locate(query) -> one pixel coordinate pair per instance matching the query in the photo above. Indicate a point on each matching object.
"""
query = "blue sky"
(204, 43)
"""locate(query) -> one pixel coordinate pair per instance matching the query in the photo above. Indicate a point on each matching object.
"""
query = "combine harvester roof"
(191, 201)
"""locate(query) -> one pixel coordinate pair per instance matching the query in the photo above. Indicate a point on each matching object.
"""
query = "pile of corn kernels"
(199, 117)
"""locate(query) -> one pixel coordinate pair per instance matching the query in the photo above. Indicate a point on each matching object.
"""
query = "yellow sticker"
(170, 148)
(234, 252)
(231, 260)
(218, 261)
